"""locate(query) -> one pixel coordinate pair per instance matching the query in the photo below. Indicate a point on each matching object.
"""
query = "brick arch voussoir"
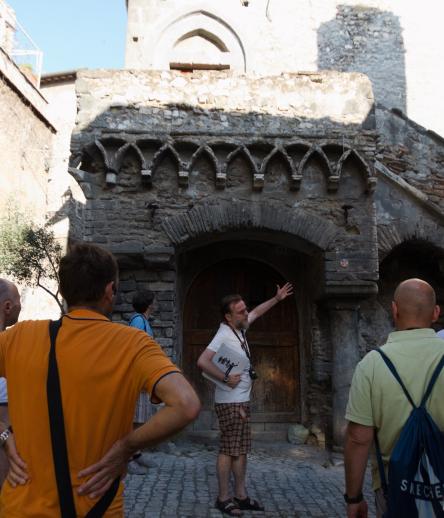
(217, 219)
(391, 236)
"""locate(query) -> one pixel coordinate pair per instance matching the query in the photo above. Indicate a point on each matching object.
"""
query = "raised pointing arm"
(281, 294)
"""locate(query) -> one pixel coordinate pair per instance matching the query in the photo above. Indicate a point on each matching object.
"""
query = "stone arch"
(318, 153)
(364, 168)
(127, 148)
(391, 236)
(216, 38)
(413, 257)
(167, 150)
(266, 170)
(205, 220)
(280, 153)
(207, 153)
(102, 153)
(241, 151)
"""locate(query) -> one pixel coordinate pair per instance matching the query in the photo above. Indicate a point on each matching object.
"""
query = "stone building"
(211, 164)
(27, 136)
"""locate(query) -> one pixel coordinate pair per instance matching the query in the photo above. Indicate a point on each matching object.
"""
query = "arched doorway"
(273, 339)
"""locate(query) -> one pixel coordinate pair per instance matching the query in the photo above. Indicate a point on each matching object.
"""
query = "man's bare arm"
(358, 441)
(204, 363)
(182, 406)
(281, 294)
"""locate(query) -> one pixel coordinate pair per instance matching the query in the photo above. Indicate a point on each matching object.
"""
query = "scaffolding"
(27, 55)
(19, 46)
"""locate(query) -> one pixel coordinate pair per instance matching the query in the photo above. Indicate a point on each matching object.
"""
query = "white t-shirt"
(241, 393)
(3, 391)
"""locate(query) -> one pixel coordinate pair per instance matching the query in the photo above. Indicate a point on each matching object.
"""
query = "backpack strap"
(143, 319)
(58, 441)
(381, 469)
(432, 381)
(393, 370)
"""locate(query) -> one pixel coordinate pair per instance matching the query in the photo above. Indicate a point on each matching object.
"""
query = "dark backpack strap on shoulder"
(432, 381)
(381, 469)
(57, 428)
(58, 441)
(393, 370)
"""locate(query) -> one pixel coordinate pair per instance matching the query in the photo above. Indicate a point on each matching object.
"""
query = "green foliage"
(30, 253)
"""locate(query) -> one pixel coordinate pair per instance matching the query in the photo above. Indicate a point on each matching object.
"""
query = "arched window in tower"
(199, 50)
(199, 40)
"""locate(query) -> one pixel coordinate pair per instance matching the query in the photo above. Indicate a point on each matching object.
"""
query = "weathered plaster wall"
(392, 41)
(7, 26)
(65, 198)
(26, 143)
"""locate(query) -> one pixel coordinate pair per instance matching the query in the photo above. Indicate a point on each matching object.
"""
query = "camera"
(253, 373)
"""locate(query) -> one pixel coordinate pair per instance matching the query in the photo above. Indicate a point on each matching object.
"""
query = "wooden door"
(273, 338)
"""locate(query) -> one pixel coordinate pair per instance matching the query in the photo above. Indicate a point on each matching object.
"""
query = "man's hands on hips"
(104, 472)
(233, 380)
(17, 474)
(357, 510)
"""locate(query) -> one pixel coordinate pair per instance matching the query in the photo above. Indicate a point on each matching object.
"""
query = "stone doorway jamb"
(342, 300)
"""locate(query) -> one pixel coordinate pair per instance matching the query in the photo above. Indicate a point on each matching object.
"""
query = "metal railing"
(21, 48)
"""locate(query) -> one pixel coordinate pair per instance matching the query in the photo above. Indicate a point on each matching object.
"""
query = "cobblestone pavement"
(291, 481)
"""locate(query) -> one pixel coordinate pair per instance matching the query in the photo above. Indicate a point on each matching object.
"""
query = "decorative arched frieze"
(278, 151)
(295, 155)
(206, 151)
(225, 217)
(125, 150)
(243, 151)
(168, 150)
(316, 151)
(364, 168)
(108, 161)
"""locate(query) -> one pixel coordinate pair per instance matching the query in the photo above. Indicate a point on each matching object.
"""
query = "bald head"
(6, 289)
(414, 304)
(10, 305)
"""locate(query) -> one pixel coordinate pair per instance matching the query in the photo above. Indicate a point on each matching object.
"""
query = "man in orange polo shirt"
(103, 366)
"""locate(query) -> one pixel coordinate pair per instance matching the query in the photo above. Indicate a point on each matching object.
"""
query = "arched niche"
(199, 40)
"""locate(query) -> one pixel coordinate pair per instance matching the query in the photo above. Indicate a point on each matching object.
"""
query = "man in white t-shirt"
(10, 307)
(232, 407)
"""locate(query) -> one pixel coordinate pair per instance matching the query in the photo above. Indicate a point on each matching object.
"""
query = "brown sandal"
(228, 507)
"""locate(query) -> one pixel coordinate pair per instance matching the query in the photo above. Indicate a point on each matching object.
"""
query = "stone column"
(345, 351)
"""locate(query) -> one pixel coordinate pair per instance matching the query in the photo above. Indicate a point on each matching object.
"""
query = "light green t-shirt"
(376, 398)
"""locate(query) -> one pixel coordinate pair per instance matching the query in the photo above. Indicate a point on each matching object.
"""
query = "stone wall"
(171, 163)
(26, 143)
(157, 151)
(65, 198)
(392, 41)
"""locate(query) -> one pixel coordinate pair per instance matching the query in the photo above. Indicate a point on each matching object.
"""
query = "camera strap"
(244, 343)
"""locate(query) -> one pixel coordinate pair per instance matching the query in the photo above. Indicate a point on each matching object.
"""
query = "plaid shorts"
(235, 431)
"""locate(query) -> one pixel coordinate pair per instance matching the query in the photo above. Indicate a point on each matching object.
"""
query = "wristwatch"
(4, 436)
(353, 500)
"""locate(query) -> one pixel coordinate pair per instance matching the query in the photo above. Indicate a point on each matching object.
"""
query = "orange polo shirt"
(103, 366)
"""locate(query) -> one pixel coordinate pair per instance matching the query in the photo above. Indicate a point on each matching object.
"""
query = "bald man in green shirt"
(376, 400)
